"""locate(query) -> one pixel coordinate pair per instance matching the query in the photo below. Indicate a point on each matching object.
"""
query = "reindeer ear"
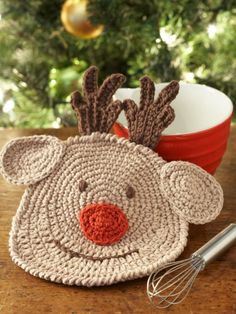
(28, 160)
(194, 194)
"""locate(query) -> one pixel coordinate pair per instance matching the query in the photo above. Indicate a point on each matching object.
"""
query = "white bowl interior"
(197, 107)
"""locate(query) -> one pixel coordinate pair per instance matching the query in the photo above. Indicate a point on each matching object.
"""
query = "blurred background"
(46, 46)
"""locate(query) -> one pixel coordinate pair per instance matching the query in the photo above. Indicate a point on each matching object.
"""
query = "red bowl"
(202, 129)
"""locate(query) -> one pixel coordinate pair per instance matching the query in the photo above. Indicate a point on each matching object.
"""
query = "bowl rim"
(198, 133)
(185, 136)
(194, 133)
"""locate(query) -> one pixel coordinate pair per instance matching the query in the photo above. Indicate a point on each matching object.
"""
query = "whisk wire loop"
(173, 281)
(166, 292)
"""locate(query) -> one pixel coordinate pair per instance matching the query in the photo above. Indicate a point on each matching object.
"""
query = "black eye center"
(83, 185)
(130, 192)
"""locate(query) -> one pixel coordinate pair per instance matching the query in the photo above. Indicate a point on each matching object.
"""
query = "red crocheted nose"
(103, 224)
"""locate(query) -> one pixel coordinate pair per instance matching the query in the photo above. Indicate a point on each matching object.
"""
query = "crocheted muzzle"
(97, 209)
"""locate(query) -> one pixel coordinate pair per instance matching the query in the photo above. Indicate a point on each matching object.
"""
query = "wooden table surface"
(213, 292)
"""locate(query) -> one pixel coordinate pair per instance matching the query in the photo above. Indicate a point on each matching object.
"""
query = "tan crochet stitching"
(156, 235)
(76, 254)
(27, 160)
(182, 183)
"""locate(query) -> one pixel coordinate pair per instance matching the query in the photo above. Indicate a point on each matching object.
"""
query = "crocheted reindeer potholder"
(99, 209)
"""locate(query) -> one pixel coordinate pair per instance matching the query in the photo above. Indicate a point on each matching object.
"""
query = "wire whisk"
(171, 283)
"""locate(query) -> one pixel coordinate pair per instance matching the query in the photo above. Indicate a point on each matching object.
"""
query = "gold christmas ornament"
(76, 21)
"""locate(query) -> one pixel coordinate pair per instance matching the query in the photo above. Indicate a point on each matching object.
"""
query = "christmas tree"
(42, 62)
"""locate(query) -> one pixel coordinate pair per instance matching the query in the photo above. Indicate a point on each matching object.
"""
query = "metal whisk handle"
(216, 246)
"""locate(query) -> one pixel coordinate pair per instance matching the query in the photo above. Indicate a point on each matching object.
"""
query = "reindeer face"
(102, 203)
(98, 209)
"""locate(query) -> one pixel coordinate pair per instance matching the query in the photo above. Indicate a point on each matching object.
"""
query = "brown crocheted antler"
(146, 123)
(95, 110)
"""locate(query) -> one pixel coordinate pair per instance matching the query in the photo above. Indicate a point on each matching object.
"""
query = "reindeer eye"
(83, 185)
(130, 192)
